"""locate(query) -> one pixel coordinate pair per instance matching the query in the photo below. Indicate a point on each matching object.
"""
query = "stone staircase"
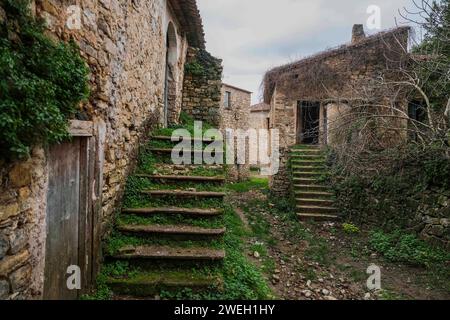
(314, 201)
(168, 235)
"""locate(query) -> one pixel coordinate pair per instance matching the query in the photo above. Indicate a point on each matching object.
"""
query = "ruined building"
(308, 98)
(235, 115)
(56, 205)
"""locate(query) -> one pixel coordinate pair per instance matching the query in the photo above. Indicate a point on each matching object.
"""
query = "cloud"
(251, 36)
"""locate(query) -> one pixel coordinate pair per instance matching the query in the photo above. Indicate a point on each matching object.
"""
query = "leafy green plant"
(407, 248)
(42, 82)
(350, 228)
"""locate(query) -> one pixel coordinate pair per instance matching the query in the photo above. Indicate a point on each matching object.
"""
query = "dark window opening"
(227, 100)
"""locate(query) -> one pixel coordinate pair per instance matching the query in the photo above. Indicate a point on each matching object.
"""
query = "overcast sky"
(252, 36)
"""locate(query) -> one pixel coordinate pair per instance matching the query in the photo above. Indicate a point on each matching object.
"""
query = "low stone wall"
(433, 219)
(281, 184)
(201, 88)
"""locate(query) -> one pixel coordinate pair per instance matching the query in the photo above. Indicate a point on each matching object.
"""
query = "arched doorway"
(170, 84)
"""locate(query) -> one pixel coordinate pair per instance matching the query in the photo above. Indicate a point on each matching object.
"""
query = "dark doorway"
(169, 83)
(308, 122)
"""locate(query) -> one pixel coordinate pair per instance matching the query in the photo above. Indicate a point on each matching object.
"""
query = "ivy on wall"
(42, 82)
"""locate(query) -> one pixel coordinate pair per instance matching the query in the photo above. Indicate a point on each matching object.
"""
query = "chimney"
(358, 33)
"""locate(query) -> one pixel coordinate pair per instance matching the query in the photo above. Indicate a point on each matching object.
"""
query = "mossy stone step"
(181, 138)
(184, 194)
(316, 209)
(302, 175)
(151, 284)
(317, 217)
(314, 202)
(314, 195)
(308, 167)
(169, 151)
(169, 253)
(299, 157)
(174, 211)
(306, 181)
(303, 162)
(183, 178)
(309, 187)
(171, 230)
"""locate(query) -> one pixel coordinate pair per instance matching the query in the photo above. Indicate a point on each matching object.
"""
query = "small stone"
(20, 175)
(4, 289)
(307, 293)
(4, 246)
(330, 298)
(308, 283)
(20, 278)
(367, 296)
(320, 280)
(325, 292)
(18, 240)
(277, 271)
(276, 278)
(256, 254)
(9, 211)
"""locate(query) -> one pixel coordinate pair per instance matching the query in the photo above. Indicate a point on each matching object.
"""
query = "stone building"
(308, 98)
(260, 120)
(235, 115)
(56, 205)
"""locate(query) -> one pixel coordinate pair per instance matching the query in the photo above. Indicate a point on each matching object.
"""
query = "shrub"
(42, 82)
(350, 228)
(407, 248)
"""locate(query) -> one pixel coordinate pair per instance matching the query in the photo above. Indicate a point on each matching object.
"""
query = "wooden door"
(63, 217)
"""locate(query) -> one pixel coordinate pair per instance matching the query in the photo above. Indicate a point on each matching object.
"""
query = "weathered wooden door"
(64, 204)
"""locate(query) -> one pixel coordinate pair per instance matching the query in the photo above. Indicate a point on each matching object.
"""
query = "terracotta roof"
(236, 88)
(260, 107)
(191, 21)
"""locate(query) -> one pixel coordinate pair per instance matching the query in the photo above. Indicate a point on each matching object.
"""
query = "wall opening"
(308, 122)
(170, 83)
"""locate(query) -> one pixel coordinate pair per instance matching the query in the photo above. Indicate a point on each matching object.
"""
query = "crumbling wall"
(202, 84)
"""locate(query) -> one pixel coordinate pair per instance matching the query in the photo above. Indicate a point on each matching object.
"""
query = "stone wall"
(236, 116)
(202, 83)
(259, 120)
(432, 219)
(124, 44)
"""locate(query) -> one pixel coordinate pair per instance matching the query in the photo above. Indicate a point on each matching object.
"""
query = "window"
(227, 100)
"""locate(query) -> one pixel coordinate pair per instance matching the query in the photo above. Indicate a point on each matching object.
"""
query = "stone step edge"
(178, 139)
(144, 285)
(164, 150)
(179, 193)
(314, 200)
(317, 216)
(174, 210)
(172, 230)
(311, 207)
(169, 253)
(182, 178)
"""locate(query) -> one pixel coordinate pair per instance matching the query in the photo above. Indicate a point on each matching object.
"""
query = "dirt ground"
(318, 260)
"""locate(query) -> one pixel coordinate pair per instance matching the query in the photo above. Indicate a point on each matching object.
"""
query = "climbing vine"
(42, 82)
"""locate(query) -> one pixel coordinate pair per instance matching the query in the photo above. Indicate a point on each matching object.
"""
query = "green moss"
(251, 184)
